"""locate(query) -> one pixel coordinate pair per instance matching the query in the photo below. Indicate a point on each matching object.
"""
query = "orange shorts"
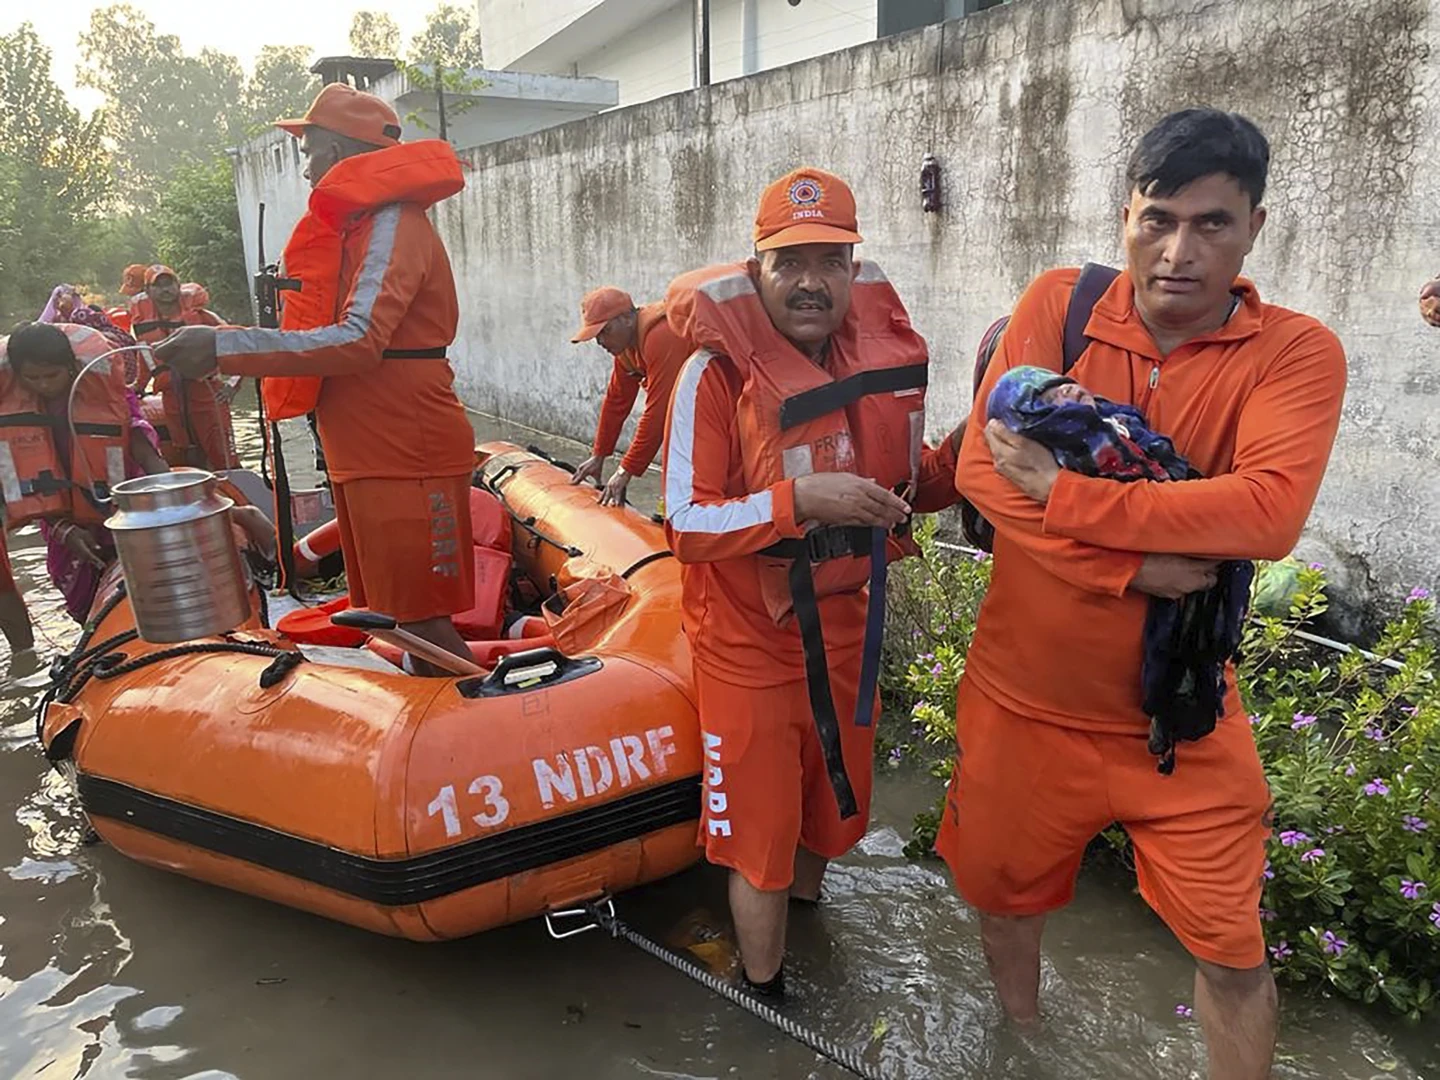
(1026, 798)
(766, 788)
(407, 546)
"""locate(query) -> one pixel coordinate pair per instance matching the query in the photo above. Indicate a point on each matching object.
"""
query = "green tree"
(198, 233)
(450, 39)
(54, 177)
(374, 34)
(281, 85)
(164, 106)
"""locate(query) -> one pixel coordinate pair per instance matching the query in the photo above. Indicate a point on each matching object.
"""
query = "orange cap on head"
(132, 280)
(346, 111)
(807, 206)
(598, 308)
(159, 270)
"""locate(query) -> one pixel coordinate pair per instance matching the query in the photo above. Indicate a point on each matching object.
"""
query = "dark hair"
(39, 344)
(1192, 143)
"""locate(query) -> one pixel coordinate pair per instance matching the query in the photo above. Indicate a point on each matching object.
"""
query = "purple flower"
(1435, 915)
(1184, 1011)
(895, 756)
(1313, 855)
(1301, 722)
(927, 657)
(1317, 566)
(981, 556)
(1293, 838)
(1255, 720)
(1282, 951)
(938, 669)
(1411, 890)
(1418, 594)
(1332, 944)
(1376, 787)
(1415, 824)
(1374, 734)
(1266, 915)
(1411, 711)
(1349, 770)
(1331, 830)
(1268, 874)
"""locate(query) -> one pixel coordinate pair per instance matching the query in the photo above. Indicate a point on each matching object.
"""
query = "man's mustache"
(800, 297)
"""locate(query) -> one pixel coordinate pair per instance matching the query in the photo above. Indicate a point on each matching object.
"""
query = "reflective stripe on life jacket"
(34, 481)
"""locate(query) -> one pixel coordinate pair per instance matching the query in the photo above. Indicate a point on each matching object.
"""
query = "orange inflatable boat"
(327, 779)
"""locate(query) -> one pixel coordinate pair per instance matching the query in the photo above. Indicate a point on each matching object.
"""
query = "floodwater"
(111, 969)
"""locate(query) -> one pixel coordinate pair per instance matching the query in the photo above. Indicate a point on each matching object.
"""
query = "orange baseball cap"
(807, 206)
(346, 111)
(132, 280)
(159, 270)
(598, 308)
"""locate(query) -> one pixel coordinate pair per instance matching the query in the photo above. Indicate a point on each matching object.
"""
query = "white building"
(648, 46)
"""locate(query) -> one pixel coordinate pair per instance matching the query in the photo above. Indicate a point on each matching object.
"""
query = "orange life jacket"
(149, 326)
(35, 482)
(422, 173)
(864, 412)
(198, 422)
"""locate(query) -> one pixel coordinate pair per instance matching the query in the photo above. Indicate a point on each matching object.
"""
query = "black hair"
(39, 344)
(1192, 143)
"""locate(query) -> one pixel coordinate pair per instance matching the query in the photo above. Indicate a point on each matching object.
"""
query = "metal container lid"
(173, 498)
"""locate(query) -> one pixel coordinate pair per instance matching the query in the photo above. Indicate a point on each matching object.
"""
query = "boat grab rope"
(604, 915)
(113, 665)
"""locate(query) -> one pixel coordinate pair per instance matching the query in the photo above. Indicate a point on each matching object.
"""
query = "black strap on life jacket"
(439, 352)
(1089, 287)
(834, 396)
(149, 325)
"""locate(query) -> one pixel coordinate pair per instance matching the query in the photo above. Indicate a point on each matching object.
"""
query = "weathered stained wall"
(1032, 109)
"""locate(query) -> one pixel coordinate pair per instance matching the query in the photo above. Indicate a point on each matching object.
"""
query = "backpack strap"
(1090, 286)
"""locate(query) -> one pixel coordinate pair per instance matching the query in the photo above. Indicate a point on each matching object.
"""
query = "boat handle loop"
(554, 920)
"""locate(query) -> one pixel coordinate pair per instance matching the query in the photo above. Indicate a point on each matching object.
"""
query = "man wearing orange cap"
(363, 343)
(793, 460)
(647, 354)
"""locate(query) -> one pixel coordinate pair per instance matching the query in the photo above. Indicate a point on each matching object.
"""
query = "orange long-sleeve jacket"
(1254, 406)
(731, 633)
(654, 364)
(380, 417)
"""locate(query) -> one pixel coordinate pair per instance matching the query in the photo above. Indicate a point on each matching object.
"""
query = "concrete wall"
(1032, 109)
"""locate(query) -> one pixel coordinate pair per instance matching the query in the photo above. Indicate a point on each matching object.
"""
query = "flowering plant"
(1351, 747)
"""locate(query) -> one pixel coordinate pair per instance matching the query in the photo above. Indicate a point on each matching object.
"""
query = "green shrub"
(1351, 746)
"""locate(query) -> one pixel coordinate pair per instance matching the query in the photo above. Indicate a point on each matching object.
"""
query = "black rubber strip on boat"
(411, 880)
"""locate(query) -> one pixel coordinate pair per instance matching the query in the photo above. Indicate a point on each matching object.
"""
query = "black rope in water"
(846, 1059)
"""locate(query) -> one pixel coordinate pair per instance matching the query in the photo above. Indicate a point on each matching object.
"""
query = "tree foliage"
(450, 38)
(164, 107)
(281, 85)
(198, 233)
(54, 178)
(374, 34)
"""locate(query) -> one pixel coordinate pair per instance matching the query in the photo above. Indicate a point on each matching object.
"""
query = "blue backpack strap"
(1091, 285)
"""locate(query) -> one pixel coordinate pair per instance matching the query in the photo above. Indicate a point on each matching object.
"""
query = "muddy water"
(110, 969)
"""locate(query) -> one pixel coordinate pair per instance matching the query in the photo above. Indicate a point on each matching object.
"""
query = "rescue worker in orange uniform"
(1052, 737)
(363, 343)
(647, 354)
(14, 615)
(794, 452)
(197, 411)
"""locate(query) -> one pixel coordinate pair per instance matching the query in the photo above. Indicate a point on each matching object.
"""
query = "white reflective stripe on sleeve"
(683, 513)
(114, 465)
(357, 318)
(728, 287)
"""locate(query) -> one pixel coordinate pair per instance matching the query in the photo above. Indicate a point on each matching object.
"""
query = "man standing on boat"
(1052, 734)
(793, 460)
(363, 343)
(647, 354)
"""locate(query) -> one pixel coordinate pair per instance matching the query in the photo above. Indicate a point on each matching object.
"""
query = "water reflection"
(110, 969)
